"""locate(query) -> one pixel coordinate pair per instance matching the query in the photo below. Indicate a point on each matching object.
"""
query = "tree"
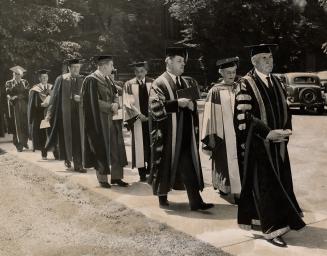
(219, 28)
(34, 33)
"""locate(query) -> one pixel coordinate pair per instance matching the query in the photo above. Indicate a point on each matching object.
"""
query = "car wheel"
(308, 96)
(321, 110)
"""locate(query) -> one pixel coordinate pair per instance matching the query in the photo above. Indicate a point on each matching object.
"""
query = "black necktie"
(141, 83)
(269, 82)
(178, 83)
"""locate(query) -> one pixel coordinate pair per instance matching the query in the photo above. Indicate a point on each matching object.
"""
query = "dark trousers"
(17, 144)
(143, 172)
(76, 137)
(187, 174)
(189, 178)
(44, 153)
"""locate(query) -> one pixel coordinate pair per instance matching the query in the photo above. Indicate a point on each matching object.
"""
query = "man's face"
(263, 62)
(176, 65)
(17, 75)
(140, 72)
(108, 67)
(229, 74)
(44, 78)
(74, 69)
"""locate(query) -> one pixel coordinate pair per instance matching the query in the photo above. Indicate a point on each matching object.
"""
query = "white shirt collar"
(143, 80)
(263, 77)
(174, 77)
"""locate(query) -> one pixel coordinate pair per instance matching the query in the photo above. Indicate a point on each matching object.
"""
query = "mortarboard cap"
(177, 51)
(42, 71)
(138, 64)
(73, 61)
(18, 69)
(98, 58)
(228, 62)
(261, 48)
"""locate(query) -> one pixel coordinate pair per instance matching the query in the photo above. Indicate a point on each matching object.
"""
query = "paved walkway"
(308, 150)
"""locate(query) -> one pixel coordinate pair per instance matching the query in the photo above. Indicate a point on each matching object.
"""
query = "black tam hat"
(42, 71)
(227, 63)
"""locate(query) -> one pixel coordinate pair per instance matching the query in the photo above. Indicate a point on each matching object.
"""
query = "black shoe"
(278, 241)
(80, 170)
(163, 201)
(19, 150)
(104, 185)
(236, 200)
(120, 183)
(68, 164)
(143, 179)
(55, 155)
(44, 154)
(26, 146)
(203, 207)
(221, 193)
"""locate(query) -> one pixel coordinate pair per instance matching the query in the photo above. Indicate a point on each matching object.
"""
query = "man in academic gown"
(17, 95)
(263, 126)
(218, 134)
(39, 99)
(99, 104)
(64, 116)
(136, 104)
(174, 133)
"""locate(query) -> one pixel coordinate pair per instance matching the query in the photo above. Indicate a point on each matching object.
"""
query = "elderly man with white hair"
(17, 95)
(263, 127)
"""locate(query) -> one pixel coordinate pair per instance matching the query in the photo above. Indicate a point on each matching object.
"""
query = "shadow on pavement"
(219, 212)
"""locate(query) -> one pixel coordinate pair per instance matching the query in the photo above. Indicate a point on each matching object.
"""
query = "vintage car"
(323, 80)
(304, 91)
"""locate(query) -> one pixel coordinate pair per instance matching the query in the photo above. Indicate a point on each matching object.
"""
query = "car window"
(306, 80)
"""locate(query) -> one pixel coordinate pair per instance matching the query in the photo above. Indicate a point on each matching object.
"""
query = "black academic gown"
(267, 195)
(175, 161)
(64, 113)
(97, 95)
(17, 111)
(36, 113)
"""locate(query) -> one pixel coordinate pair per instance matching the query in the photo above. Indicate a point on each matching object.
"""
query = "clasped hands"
(186, 103)
(279, 135)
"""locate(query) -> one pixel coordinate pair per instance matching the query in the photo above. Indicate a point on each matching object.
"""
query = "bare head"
(263, 62)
